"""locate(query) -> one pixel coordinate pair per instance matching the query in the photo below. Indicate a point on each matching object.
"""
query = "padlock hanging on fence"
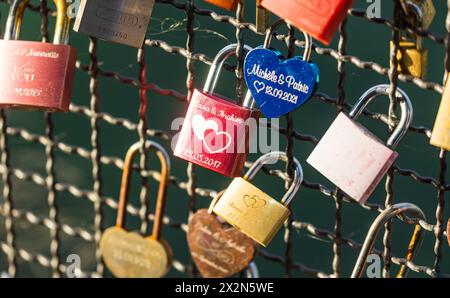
(280, 85)
(128, 254)
(401, 209)
(440, 136)
(120, 21)
(350, 156)
(217, 249)
(321, 19)
(215, 132)
(36, 75)
(251, 210)
(412, 56)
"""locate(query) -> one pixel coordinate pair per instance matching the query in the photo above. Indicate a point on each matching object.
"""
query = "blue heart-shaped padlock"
(279, 86)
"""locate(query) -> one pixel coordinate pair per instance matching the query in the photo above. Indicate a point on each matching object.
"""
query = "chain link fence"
(17, 252)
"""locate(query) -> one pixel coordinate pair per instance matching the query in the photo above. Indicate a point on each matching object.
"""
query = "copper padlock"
(36, 75)
(251, 210)
(121, 21)
(225, 4)
(384, 217)
(352, 157)
(128, 254)
(440, 137)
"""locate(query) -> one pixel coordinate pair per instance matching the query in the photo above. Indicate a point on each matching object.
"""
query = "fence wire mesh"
(17, 254)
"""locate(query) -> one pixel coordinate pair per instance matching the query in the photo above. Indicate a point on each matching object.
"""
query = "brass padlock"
(384, 217)
(440, 137)
(251, 210)
(424, 8)
(128, 254)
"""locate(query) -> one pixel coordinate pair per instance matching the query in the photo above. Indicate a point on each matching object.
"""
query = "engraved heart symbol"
(200, 126)
(217, 251)
(127, 254)
(254, 201)
(259, 86)
(279, 86)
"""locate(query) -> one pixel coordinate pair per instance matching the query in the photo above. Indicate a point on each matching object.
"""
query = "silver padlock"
(120, 21)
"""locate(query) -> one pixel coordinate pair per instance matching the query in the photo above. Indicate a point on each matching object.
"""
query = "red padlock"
(215, 132)
(36, 75)
(319, 18)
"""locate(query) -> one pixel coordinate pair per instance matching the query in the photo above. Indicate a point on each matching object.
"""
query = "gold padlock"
(423, 8)
(128, 254)
(440, 137)
(412, 58)
(251, 210)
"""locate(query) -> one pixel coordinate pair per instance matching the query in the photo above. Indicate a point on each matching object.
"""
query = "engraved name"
(216, 236)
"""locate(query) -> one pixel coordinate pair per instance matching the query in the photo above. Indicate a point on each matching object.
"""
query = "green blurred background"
(368, 41)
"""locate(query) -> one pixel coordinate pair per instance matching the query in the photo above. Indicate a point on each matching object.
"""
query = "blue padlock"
(280, 85)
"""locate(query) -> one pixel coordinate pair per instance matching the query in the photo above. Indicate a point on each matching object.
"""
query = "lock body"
(320, 18)
(225, 4)
(440, 137)
(215, 134)
(411, 59)
(36, 75)
(120, 21)
(252, 211)
(352, 158)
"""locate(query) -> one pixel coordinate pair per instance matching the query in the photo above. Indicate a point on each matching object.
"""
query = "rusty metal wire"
(98, 160)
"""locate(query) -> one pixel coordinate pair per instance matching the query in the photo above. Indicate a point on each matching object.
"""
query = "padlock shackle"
(15, 19)
(216, 69)
(162, 190)
(405, 106)
(384, 217)
(308, 39)
(270, 158)
(252, 271)
(408, 7)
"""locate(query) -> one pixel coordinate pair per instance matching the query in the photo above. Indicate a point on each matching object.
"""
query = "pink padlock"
(215, 132)
(352, 157)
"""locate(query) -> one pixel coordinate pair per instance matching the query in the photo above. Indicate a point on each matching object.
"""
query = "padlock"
(448, 232)
(278, 85)
(440, 137)
(411, 55)
(36, 75)
(215, 132)
(225, 4)
(217, 249)
(252, 211)
(128, 254)
(387, 215)
(423, 8)
(121, 21)
(352, 157)
(319, 18)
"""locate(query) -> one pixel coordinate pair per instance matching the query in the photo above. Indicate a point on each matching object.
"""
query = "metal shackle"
(252, 271)
(400, 209)
(276, 156)
(405, 106)
(164, 158)
(409, 7)
(308, 39)
(15, 18)
(216, 68)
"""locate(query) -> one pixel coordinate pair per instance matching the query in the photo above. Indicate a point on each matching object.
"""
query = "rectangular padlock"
(319, 18)
(352, 157)
(412, 59)
(440, 137)
(120, 21)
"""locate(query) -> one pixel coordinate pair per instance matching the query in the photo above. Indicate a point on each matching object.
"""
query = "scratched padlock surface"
(83, 163)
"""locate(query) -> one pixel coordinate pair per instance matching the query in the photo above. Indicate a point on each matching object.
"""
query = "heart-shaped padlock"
(128, 254)
(280, 86)
(217, 251)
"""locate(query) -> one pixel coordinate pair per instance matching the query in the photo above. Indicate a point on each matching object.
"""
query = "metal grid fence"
(57, 229)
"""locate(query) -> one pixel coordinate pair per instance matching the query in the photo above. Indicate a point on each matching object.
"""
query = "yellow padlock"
(251, 210)
(440, 137)
(412, 58)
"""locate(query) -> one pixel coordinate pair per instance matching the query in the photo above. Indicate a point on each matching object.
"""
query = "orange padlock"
(225, 4)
